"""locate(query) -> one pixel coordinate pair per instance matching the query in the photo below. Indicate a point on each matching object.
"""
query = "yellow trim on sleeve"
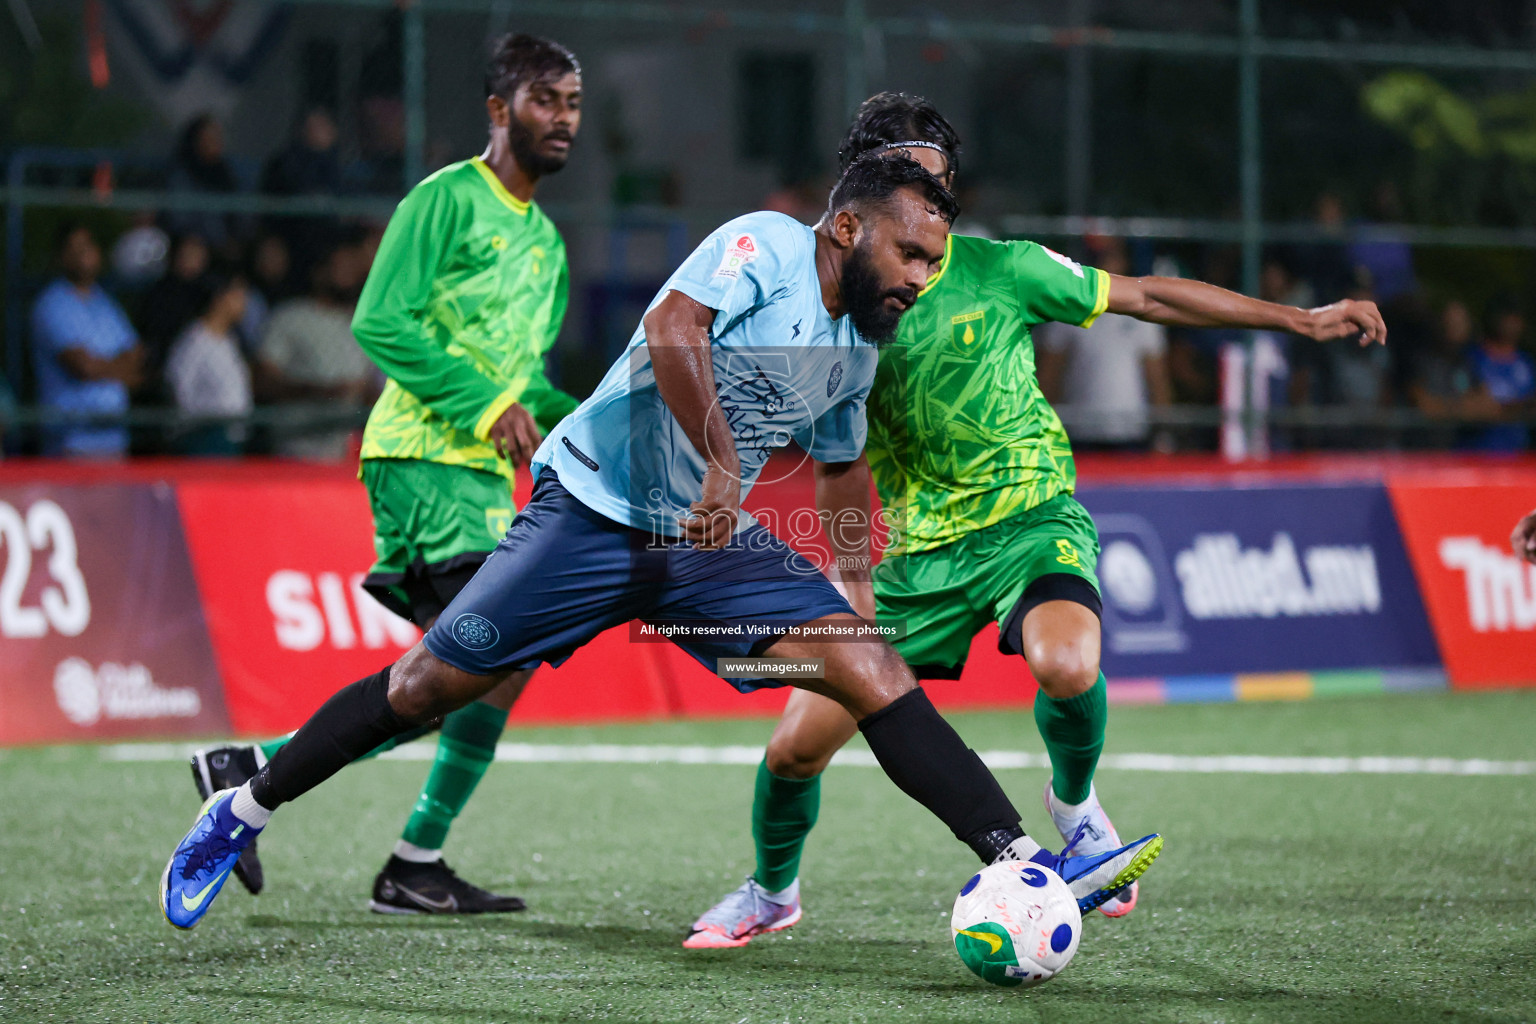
(1101, 300)
(514, 203)
(949, 241)
(503, 402)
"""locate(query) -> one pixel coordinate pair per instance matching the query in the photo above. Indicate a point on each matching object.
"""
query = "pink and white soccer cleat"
(743, 914)
(1093, 832)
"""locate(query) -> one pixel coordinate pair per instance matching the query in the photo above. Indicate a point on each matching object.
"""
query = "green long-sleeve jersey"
(464, 299)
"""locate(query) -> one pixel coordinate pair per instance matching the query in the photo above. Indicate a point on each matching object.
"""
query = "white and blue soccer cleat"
(1095, 878)
(203, 860)
(1093, 832)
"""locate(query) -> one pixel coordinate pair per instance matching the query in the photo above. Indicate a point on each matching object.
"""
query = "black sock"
(931, 763)
(354, 721)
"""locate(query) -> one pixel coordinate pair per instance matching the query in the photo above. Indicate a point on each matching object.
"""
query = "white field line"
(614, 753)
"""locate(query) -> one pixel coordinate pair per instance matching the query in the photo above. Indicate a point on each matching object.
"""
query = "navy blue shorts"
(564, 573)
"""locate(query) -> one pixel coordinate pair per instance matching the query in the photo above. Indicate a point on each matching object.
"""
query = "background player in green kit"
(975, 474)
(465, 298)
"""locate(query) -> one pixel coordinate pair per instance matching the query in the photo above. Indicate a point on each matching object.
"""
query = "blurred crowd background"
(198, 191)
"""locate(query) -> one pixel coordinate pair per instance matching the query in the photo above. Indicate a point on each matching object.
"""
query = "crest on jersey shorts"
(475, 632)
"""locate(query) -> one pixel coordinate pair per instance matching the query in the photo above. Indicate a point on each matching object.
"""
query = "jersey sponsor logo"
(1501, 589)
(1223, 580)
(968, 328)
(475, 632)
(1070, 264)
(835, 377)
(116, 692)
(737, 255)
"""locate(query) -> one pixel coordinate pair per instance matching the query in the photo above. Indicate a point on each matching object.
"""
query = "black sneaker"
(405, 887)
(229, 768)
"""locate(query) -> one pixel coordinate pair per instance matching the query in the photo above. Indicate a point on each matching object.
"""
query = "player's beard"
(864, 298)
(525, 151)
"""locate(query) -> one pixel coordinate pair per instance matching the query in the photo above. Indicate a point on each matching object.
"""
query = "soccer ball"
(1016, 924)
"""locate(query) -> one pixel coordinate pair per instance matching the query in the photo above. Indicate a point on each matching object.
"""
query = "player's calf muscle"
(423, 687)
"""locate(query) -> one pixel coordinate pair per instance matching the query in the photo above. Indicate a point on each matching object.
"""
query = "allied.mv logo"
(475, 631)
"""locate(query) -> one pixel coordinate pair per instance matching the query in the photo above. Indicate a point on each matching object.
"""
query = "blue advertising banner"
(1255, 579)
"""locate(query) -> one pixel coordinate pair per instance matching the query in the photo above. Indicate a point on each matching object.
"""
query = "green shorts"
(941, 598)
(432, 527)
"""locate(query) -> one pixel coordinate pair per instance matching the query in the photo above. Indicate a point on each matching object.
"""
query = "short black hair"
(67, 230)
(517, 58)
(888, 117)
(872, 180)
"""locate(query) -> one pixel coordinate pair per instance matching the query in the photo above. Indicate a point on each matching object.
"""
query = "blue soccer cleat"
(203, 860)
(1096, 878)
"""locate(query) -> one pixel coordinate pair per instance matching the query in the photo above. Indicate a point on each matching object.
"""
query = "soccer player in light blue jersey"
(765, 335)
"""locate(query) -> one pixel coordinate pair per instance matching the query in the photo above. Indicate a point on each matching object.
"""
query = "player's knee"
(790, 757)
(422, 688)
(1064, 670)
(873, 678)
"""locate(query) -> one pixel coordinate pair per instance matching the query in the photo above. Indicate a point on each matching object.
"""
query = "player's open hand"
(712, 519)
(1523, 540)
(516, 435)
(1351, 318)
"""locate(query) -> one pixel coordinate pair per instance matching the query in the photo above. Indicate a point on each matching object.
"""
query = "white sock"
(784, 896)
(245, 807)
(416, 854)
(1061, 809)
(1021, 848)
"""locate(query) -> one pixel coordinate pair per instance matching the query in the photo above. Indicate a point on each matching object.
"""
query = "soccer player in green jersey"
(464, 299)
(975, 475)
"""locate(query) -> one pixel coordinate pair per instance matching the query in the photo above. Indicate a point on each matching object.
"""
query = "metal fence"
(862, 37)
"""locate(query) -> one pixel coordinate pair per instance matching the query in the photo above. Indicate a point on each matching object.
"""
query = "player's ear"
(497, 110)
(845, 228)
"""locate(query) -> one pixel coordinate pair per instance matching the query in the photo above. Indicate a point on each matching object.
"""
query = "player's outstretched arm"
(677, 336)
(842, 498)
(1180, 303)
(1523, 539)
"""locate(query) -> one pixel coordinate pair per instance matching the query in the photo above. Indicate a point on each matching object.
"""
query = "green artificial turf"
(1397, 898)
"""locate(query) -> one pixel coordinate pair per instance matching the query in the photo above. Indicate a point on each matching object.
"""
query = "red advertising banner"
(1481, 599)
(279, 565)
(101, 632)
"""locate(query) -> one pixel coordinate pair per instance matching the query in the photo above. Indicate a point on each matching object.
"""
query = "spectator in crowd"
(1323, 265)
(1498, 367)
(307, 166)
(309, 355)
(171, 304)
(1105, 379)
(1441, 385)
(201, 166)
(206, 372)
(269, 272)
(85, 353)
(1385, 261)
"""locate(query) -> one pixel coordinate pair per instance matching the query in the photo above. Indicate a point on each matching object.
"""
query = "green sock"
(464, 751)
(783, 814)
(1073, 730)
(273, 746)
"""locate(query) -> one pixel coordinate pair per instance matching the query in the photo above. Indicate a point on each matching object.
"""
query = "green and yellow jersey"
(464, 299)
(960, 435)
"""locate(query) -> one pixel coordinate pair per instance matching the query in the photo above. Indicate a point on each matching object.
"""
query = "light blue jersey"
(784, 369)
